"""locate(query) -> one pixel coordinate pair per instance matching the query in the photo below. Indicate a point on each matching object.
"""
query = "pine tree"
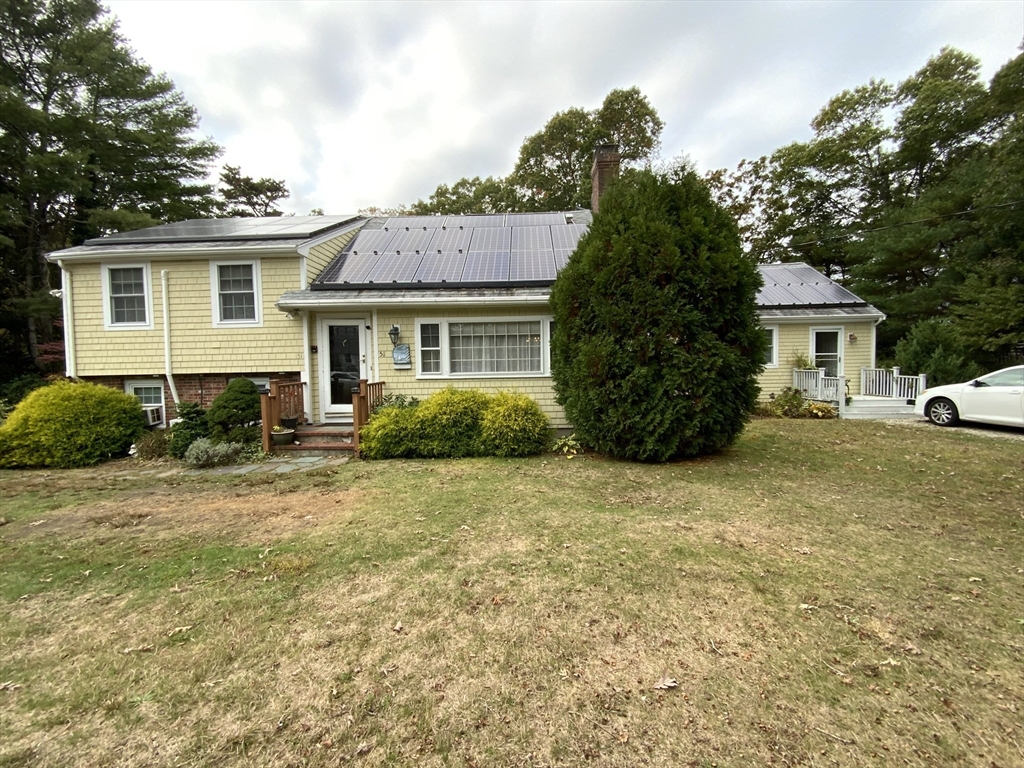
(656, 344)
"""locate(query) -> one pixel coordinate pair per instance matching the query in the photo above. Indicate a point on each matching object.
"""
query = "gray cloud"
(381, 102)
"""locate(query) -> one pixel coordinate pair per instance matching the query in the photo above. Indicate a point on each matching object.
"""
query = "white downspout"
(167, 336)
(307, 368)
(376, 353)
(71, 368)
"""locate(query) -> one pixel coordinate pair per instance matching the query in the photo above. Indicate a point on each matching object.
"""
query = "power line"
(907, 223)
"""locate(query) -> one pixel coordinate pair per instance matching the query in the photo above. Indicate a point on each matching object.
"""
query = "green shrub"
(238, 406)
(390, 434)
(206, 453)
(788, 404)
(70, 424)
(657, 343)
(513, 425)
(192, 426)
(15, 390)
(448, 423)
(153, 444)
(933, 348)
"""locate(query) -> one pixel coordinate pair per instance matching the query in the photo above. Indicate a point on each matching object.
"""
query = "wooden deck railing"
(883, 382)
(815, 385)
(369, 396)
(283, 401)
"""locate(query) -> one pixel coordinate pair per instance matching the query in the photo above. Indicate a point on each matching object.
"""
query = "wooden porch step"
(315, 449)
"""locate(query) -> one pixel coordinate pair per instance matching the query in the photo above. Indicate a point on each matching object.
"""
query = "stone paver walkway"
(277, 466)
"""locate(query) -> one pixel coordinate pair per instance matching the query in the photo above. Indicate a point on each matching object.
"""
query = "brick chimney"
(606, 168)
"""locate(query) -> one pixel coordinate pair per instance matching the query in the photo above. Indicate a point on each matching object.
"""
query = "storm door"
(342, 365)
(826, 349)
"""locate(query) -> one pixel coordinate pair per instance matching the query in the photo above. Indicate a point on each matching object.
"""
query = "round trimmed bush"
(390, 434)
(448, 423)
(70, 424)
(234, 412)
(513, 425)
(657, 343)
(191, 426)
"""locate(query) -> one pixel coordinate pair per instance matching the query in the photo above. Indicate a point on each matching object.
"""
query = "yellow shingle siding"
(795, 338)
(321, 255)
(197, 346)
(405, 381)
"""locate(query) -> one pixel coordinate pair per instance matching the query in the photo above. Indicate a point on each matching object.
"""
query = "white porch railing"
(815, 385)
(883, 382)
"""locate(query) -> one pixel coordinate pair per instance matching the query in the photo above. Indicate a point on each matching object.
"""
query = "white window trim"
(444, 322)
(257, 287)
(108, 316)
(129, 389)
(775, 346)
(261, 382)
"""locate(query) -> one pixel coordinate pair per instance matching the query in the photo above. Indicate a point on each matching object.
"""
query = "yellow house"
(175, 312)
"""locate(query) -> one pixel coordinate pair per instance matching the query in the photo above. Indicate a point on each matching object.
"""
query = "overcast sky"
(375, 104)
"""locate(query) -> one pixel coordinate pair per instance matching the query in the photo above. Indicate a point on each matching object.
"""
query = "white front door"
(827, 350)
(342, 348)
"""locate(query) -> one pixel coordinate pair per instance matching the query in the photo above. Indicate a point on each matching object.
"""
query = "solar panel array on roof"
(414, 222)
(459, 250)
(450, 240)
(213, 230)
(494, 220)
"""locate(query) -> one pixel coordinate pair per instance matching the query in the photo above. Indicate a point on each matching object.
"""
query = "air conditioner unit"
(154, 414)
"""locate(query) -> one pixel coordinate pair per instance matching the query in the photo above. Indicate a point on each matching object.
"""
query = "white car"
(997, 398)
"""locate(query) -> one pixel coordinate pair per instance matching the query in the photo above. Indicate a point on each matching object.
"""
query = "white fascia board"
(147, 254)
(433, 301)
(305, 248)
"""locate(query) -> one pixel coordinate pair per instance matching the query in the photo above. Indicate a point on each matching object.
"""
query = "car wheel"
(942, 412)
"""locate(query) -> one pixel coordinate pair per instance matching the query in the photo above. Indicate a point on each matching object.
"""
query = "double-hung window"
(771, 354)
(127, 300)
(236, 293)
(484, 347)
(150, 393)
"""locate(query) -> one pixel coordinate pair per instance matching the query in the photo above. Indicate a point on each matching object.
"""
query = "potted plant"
(282, 435)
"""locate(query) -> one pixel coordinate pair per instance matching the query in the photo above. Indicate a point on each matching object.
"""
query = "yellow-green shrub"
(448, 423)
(513, 425)
(390, 433)
(70, 424)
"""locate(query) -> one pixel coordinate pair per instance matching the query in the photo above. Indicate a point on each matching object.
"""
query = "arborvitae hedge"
(233, 413)
(657, 344)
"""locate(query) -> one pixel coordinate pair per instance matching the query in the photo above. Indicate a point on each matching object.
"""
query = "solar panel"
(567, 235)
(356, 267)
(441, 267)
(370, 240)
(414, 222)
(413, 240)
(450, 240)
(534, 219)
(491, 239)
(199, 230)
(561, 258)
(486, 266)
(477, 220)
(531, 238)
(532, 265)
(395, 268)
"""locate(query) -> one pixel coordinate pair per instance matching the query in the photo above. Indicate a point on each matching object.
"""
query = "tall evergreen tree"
(657, 344)
(91, 141)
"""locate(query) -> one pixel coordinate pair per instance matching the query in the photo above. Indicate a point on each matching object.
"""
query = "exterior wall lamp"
(394, 333)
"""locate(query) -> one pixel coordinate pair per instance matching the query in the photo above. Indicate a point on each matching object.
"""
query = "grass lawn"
(825, 593)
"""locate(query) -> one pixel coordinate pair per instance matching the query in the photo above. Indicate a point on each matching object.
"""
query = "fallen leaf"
(397, 627)
(180, 630)
(889, 662)
(665, 683)
(138, 649)
(10, 685)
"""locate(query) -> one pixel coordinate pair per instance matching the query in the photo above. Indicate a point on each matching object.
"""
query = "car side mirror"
(976, 383)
